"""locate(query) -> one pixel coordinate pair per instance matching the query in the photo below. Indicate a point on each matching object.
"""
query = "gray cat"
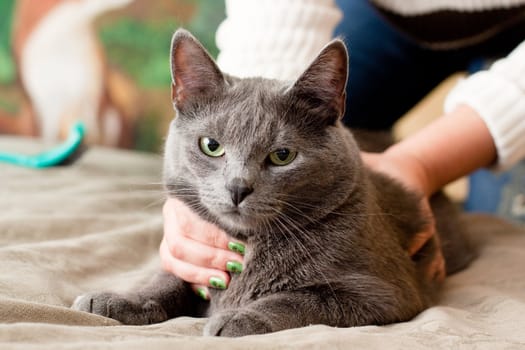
(271, 163)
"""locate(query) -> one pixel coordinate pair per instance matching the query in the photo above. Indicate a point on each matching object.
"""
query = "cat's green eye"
(211, 147)
(282, 157)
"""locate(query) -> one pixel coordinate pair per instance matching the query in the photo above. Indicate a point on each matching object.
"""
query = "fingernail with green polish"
(236, 247)
(234, 266)
(202, 293)
(217, 282)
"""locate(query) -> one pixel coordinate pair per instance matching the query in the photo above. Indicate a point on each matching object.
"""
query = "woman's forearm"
(448, 148)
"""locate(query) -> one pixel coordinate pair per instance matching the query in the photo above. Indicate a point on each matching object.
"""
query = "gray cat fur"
(326, 237)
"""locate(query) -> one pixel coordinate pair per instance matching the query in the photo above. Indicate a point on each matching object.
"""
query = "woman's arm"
(484, 125)
(443, 151)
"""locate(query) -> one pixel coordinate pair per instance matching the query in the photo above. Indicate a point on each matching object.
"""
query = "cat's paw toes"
(95, 303)
(237, 324)
(120, 308)
(153, 312)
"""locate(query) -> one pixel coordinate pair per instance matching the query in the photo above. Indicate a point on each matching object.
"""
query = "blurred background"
(103, 61)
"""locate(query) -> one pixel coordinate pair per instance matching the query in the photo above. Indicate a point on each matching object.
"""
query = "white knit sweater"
(274, 38)
(498, 95)
(278, 39)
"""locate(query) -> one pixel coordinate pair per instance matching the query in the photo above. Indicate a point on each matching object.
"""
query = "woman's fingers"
(191, 239)
(192, 273)
(195, 250)
(201, 291)
(200, 254)
(436, 269)
(419, 240)
(181, 220)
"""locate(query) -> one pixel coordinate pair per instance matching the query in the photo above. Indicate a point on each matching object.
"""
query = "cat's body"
(326, 238)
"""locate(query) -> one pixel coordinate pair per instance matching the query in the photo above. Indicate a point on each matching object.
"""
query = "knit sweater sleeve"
(498, 95)
(274, 38)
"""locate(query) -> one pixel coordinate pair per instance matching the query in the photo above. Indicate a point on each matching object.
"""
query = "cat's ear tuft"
(323, 84)
(193, 71)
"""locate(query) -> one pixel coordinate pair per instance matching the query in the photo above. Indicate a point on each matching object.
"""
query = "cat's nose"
(239, 192)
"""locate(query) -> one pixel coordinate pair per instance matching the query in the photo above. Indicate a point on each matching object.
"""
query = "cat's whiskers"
(267, 229)
(283, 221)
(309, 219)
(288, 221)
(335, 212)
(302, 204)
(154, 203)
(285, 232)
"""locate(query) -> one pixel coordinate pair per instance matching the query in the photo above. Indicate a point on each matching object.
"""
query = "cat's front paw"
(237, 323)
(120, 308)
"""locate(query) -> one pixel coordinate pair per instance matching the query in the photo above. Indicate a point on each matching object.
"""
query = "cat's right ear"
(193, 71)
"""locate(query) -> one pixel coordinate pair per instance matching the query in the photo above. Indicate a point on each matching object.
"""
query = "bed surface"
(97, 225)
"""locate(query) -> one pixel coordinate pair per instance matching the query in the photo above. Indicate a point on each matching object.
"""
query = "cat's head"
(254, 154)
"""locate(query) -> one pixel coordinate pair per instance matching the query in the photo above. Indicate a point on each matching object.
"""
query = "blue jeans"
(390, 73)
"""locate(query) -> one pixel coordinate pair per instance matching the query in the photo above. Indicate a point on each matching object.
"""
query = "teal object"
(59, 155)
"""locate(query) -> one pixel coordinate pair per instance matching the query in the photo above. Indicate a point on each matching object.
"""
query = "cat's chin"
(236, 221)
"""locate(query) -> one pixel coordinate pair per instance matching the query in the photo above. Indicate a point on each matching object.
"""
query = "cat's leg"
(164, 297)
(355, 300)
(277, 312)
(268, 314)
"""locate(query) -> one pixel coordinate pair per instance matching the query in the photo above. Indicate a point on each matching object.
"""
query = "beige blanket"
(97, 225)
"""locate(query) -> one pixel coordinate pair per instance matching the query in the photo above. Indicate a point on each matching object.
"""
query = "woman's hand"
(411, 174)
(197, 251)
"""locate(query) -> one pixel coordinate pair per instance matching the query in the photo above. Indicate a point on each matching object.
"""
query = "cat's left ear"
(193, 71)
(323, 85)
